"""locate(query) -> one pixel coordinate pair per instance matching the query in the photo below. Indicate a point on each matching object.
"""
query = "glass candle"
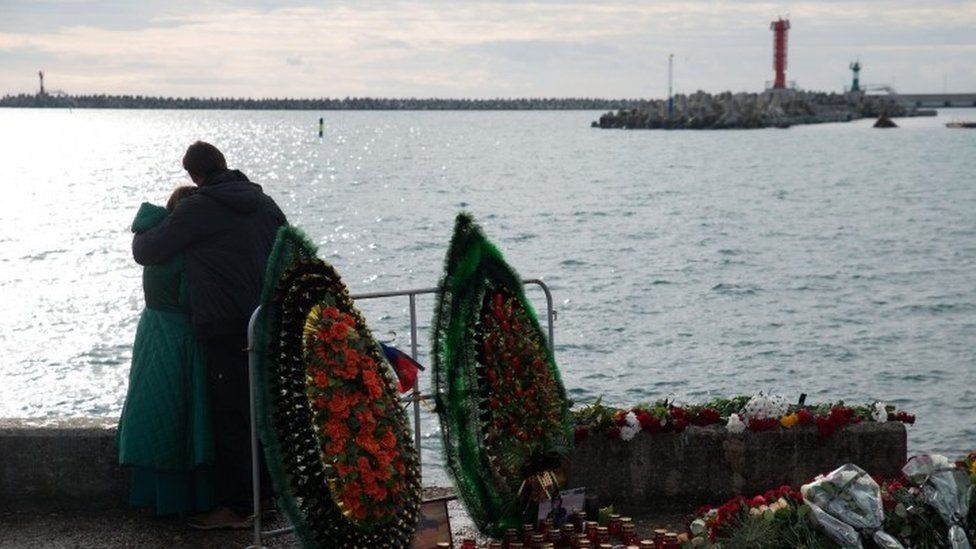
(614, 526)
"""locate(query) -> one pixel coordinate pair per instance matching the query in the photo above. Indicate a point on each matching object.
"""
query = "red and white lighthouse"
(779, 28)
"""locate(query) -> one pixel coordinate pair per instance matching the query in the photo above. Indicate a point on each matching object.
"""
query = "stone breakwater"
(780, 109)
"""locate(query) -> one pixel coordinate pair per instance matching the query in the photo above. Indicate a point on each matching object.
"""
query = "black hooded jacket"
(225, 231)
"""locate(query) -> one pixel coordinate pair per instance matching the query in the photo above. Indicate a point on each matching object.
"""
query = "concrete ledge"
(709, 464)
(62, 463)
(72, 463)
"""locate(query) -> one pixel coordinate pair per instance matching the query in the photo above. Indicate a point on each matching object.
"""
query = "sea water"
(835, 260)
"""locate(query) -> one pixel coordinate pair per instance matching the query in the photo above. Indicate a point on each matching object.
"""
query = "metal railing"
(415, 397)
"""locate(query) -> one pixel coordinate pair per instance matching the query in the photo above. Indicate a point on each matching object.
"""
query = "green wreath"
(501, 403)
(338, 443)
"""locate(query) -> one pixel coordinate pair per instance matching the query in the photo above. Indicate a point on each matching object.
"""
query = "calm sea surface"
(834, 260)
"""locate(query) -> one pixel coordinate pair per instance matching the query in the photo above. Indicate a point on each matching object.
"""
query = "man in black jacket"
(225, 232)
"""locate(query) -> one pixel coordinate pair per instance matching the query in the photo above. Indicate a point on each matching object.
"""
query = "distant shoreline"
(324, 104)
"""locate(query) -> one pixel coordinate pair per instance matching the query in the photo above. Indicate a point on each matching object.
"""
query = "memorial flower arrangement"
(502, 406)
(356, 427)
(969, 464)
(775, 518)
(848, 508)
(737, 414)
(339, 448)
(520, 395)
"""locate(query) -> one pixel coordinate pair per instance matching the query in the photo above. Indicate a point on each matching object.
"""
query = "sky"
(477, 49)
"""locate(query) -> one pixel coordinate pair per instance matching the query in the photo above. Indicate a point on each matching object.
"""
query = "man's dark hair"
(203, 160)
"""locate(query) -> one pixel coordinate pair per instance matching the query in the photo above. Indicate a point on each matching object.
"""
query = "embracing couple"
(185, 426)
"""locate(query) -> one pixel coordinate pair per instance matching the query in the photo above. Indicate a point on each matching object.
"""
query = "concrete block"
(66, 463)
(709, 464)
(72, 463)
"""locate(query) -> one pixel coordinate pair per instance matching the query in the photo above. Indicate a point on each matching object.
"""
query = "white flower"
(765, 407)
(631, 427)
(735, 424)
(880, 413)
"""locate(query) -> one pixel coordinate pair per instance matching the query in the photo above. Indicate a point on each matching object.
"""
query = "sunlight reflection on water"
(833, 260)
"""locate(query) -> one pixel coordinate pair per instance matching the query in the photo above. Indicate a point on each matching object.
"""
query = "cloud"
(459, 48)
(45, 16)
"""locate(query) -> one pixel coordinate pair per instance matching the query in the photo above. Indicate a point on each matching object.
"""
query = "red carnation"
(757, 501)
(904, 417)
(648, 422)
(824, 426)
(706, 416)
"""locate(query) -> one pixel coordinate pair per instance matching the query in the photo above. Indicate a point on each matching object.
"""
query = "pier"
(938, 100)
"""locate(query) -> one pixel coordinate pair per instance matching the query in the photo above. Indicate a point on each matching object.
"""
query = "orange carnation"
(388, 439)
(338, 331)
(366, 441)
(374, 386)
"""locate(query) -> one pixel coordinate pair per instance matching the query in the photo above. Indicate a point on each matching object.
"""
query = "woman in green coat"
(164, 432)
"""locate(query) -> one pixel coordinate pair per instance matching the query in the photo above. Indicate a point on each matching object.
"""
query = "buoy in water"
(885, 122)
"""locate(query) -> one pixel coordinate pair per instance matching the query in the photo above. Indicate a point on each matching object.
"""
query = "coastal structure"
(779, 27)
(60, 100)
(72, 463)
(781, 105)
(856, 81)
(729, 110)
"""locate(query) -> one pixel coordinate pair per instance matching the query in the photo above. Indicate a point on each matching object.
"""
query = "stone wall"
(72, 463)
(709, 464)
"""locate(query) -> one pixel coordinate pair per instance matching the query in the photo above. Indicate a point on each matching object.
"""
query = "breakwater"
(102, 101)
(770, 109)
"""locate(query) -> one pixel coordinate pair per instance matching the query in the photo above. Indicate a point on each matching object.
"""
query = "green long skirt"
(165, 432)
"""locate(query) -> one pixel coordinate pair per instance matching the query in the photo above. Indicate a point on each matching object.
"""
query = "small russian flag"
(404, 365)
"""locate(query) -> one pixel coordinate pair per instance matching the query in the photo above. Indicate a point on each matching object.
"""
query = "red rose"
(757, 501)
(613, 433)
(580, 433)
(805, 417)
